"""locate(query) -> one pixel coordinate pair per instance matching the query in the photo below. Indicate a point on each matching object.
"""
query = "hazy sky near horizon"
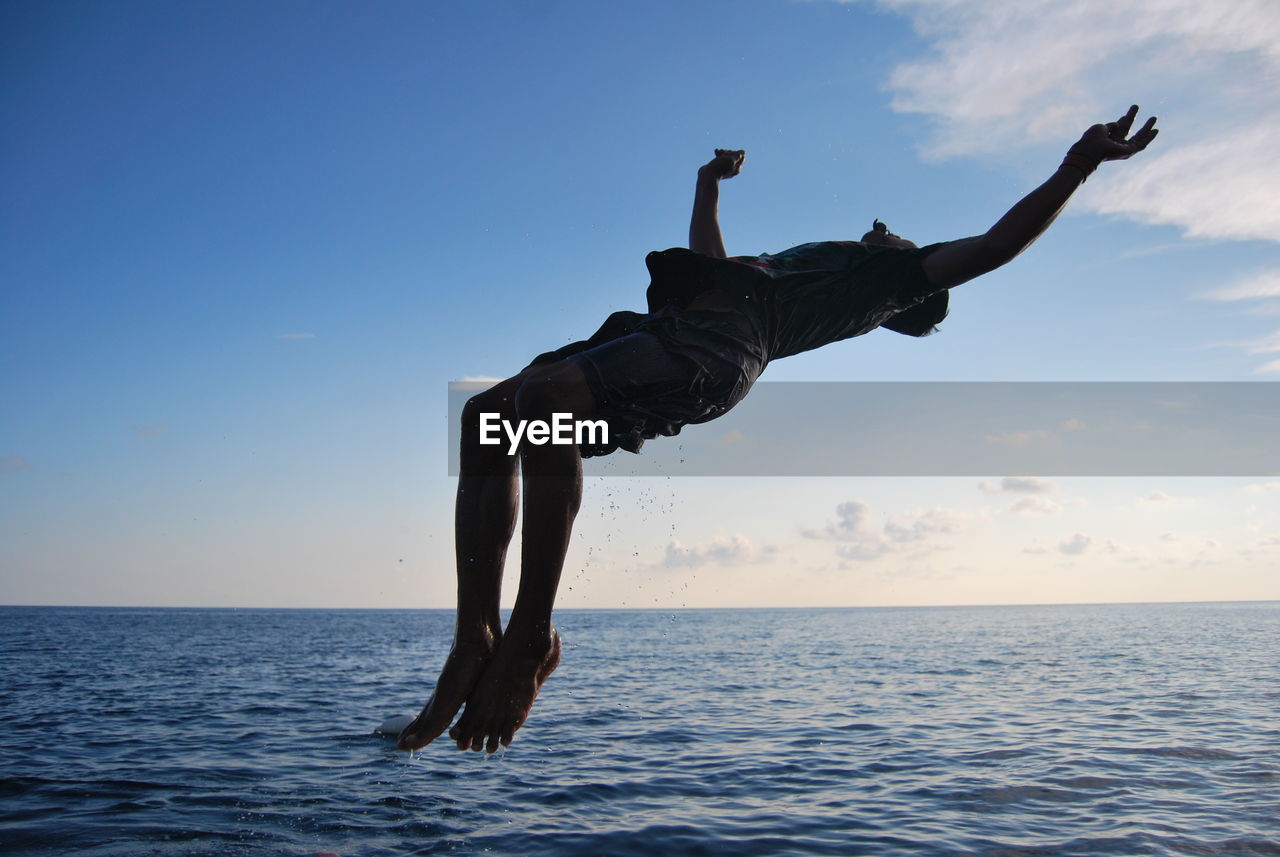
(244, 247)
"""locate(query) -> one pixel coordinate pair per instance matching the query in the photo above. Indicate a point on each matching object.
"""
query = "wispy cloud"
(860, 538)
(12, 464)
(734, 550)
(1270, 368)
(151, 431)
(1018, 438)
(1035, 506)
(1160, 498)
(852, 519)
(1003, 75)
(1268, 344)
(1076, 545)
(1018, 485)
(1256, 286)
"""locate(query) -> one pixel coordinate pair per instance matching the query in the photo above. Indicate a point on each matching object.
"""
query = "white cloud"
(1217, 189)
(918, 525)
(1007, 74)
(1076, 545)
(1261, 487)
(870, 548)
(735, 550)
(1253, 287)
(732, 436)
(1035, 506)
(480, 379)
(861, 539)
(852, 520)
(1161, 498)
(1268, 344)
(1019, 485)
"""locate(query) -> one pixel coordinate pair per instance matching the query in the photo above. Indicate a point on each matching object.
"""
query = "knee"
(491, 401)
(563, 390)
(539, 399)
(471, 412)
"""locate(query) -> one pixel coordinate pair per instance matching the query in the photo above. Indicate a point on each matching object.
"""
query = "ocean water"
(1074, 730)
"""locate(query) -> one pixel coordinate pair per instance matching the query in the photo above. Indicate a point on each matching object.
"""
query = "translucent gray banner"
(964, 429)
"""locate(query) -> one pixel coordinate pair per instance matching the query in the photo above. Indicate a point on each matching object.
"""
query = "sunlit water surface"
(1099, 730)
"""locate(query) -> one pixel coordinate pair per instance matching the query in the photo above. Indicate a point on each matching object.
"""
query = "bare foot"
(462, 670)
(501, 701)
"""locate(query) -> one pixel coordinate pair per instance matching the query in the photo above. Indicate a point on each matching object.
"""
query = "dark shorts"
(675, 368)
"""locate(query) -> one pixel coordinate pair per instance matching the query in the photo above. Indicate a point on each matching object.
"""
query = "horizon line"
(650, 609)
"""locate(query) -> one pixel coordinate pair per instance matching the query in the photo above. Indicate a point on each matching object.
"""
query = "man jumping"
(713, 325)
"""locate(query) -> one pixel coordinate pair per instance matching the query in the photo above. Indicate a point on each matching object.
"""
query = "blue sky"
(246, 246)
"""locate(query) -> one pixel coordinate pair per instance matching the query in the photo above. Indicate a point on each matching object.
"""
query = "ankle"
(477, 634)
(535, 640)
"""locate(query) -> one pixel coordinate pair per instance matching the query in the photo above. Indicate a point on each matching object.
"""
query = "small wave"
(1018, 794)
(860, 727)
(999, 754)
(1209, 754)
(1087, 782)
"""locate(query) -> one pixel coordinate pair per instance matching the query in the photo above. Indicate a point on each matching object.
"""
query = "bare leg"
(530, 647)
(484, 519)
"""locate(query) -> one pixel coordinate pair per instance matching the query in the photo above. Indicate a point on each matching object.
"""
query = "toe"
(462, 730)
(418, 733)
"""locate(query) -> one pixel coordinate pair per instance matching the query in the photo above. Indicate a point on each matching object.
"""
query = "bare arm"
(704, 225)
(960, 261)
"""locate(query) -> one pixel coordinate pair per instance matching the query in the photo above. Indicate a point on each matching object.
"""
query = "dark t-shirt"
(756, 309)
(772, 305)
(804, 297)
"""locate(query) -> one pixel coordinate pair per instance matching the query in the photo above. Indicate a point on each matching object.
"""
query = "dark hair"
(923, 318)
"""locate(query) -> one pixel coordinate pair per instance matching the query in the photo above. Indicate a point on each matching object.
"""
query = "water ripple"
(1114, 731)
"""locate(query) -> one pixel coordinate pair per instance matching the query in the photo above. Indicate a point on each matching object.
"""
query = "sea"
(1128, 729)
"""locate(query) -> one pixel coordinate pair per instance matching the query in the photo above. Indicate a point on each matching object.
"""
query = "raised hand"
(725, 165)
(1111, 142)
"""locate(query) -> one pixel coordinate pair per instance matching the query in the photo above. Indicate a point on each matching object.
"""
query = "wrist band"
(1086, 166)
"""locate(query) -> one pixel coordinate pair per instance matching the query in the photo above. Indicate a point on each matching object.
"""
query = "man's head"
(881, 235)
(923, 318)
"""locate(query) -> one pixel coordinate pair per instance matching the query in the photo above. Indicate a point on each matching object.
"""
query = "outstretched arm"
(704, 225)
(960, 261)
